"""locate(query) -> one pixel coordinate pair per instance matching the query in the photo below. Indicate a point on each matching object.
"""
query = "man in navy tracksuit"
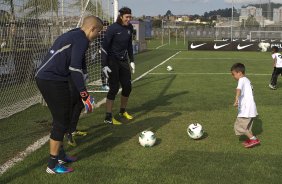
(65, 64)
(116, 51)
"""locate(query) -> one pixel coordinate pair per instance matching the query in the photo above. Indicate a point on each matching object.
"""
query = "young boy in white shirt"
(277, 64)
(245, 102)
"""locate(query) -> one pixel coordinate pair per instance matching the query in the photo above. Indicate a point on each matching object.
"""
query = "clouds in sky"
(191, 1)
(252, 1)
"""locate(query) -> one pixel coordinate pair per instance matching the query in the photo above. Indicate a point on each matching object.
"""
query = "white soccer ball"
(169, 68)
(147, 138)
(195, 131)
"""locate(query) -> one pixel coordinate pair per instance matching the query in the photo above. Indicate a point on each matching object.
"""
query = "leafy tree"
(157, 23)
(168, 13)
(250, 22)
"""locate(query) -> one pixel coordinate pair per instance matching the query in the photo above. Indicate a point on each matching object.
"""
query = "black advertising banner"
(232, 46)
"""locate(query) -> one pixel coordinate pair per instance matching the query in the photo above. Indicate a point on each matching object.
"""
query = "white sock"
(253, 138)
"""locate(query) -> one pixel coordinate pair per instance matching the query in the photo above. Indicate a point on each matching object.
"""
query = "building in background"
(277, 15)
(251, 11)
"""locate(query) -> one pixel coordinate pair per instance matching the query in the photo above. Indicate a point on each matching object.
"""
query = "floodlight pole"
(162, 31)
(232, 16)
(115, 10)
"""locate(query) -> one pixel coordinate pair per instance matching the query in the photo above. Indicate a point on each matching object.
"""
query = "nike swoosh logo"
(219, 46)
(245, 40)
(254, 40)
(272, 40)
(225, 40)
(119, 33)
(196, 46)
(234, 40)
(243, 47)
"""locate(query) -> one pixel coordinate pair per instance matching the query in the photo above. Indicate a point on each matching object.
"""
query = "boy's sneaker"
(272, 87)
(113, 121)
(79, 133)
(71, 140)
(67, 159)
(126, 116)
(59, 169)
(105, 88)
(246, 142)
(252, 143)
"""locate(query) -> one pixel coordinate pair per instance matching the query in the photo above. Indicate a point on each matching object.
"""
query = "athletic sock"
(109, 116)
(53, 161)
(122, 110)
(253, 138)
(62, 153)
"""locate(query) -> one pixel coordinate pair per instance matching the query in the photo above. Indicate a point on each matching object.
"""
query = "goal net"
(27, 30)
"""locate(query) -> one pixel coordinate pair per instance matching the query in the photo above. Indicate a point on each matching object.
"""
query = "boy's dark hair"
(275, 48)
(238, 67)
(122, 11)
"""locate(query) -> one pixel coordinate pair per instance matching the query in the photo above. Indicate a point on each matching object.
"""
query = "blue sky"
(156, 7)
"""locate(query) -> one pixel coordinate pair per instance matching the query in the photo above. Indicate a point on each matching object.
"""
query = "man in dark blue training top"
(65, 62)
(116, 51)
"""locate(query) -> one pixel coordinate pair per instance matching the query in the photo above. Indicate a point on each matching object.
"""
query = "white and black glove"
(106, 71)
(132, 66)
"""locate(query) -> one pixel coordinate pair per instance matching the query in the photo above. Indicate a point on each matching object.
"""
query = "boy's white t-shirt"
(246, 106)
(278, 57)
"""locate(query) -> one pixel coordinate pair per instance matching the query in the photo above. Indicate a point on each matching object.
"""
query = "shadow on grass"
(123, 133)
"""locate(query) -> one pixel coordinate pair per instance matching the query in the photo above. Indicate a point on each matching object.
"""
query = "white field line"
(40, 142)
(19, 157)
(211, 58)
(172, 73)
(161, 46)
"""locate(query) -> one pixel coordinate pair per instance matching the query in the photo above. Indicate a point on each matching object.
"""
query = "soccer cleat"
(252, 143)
(272, 87)
(67, 159)
(126, 115)
(105, 88)
(79, 133)
(113, 121)
(71, 140)
(246, 142)
(59, 169)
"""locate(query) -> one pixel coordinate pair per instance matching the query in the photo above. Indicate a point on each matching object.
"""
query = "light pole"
(115, 10)
(232, 16)
(162, 31)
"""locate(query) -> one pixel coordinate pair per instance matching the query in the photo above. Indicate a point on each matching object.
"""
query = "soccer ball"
(169, 68)
(195, 131)
(147, 138)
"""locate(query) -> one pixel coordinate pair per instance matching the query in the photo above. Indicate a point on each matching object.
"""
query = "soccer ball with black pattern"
(195, 130)
(147, 138)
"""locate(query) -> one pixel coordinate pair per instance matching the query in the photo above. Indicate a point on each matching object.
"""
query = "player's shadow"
(161, 100)
(149, 79)
(120, 134)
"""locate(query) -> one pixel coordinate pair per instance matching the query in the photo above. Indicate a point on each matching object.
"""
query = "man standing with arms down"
(116, 50)
(65, 61)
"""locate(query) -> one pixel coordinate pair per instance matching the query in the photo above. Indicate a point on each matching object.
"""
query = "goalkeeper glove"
(106, 71)
(88, 101)
(132, 65)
